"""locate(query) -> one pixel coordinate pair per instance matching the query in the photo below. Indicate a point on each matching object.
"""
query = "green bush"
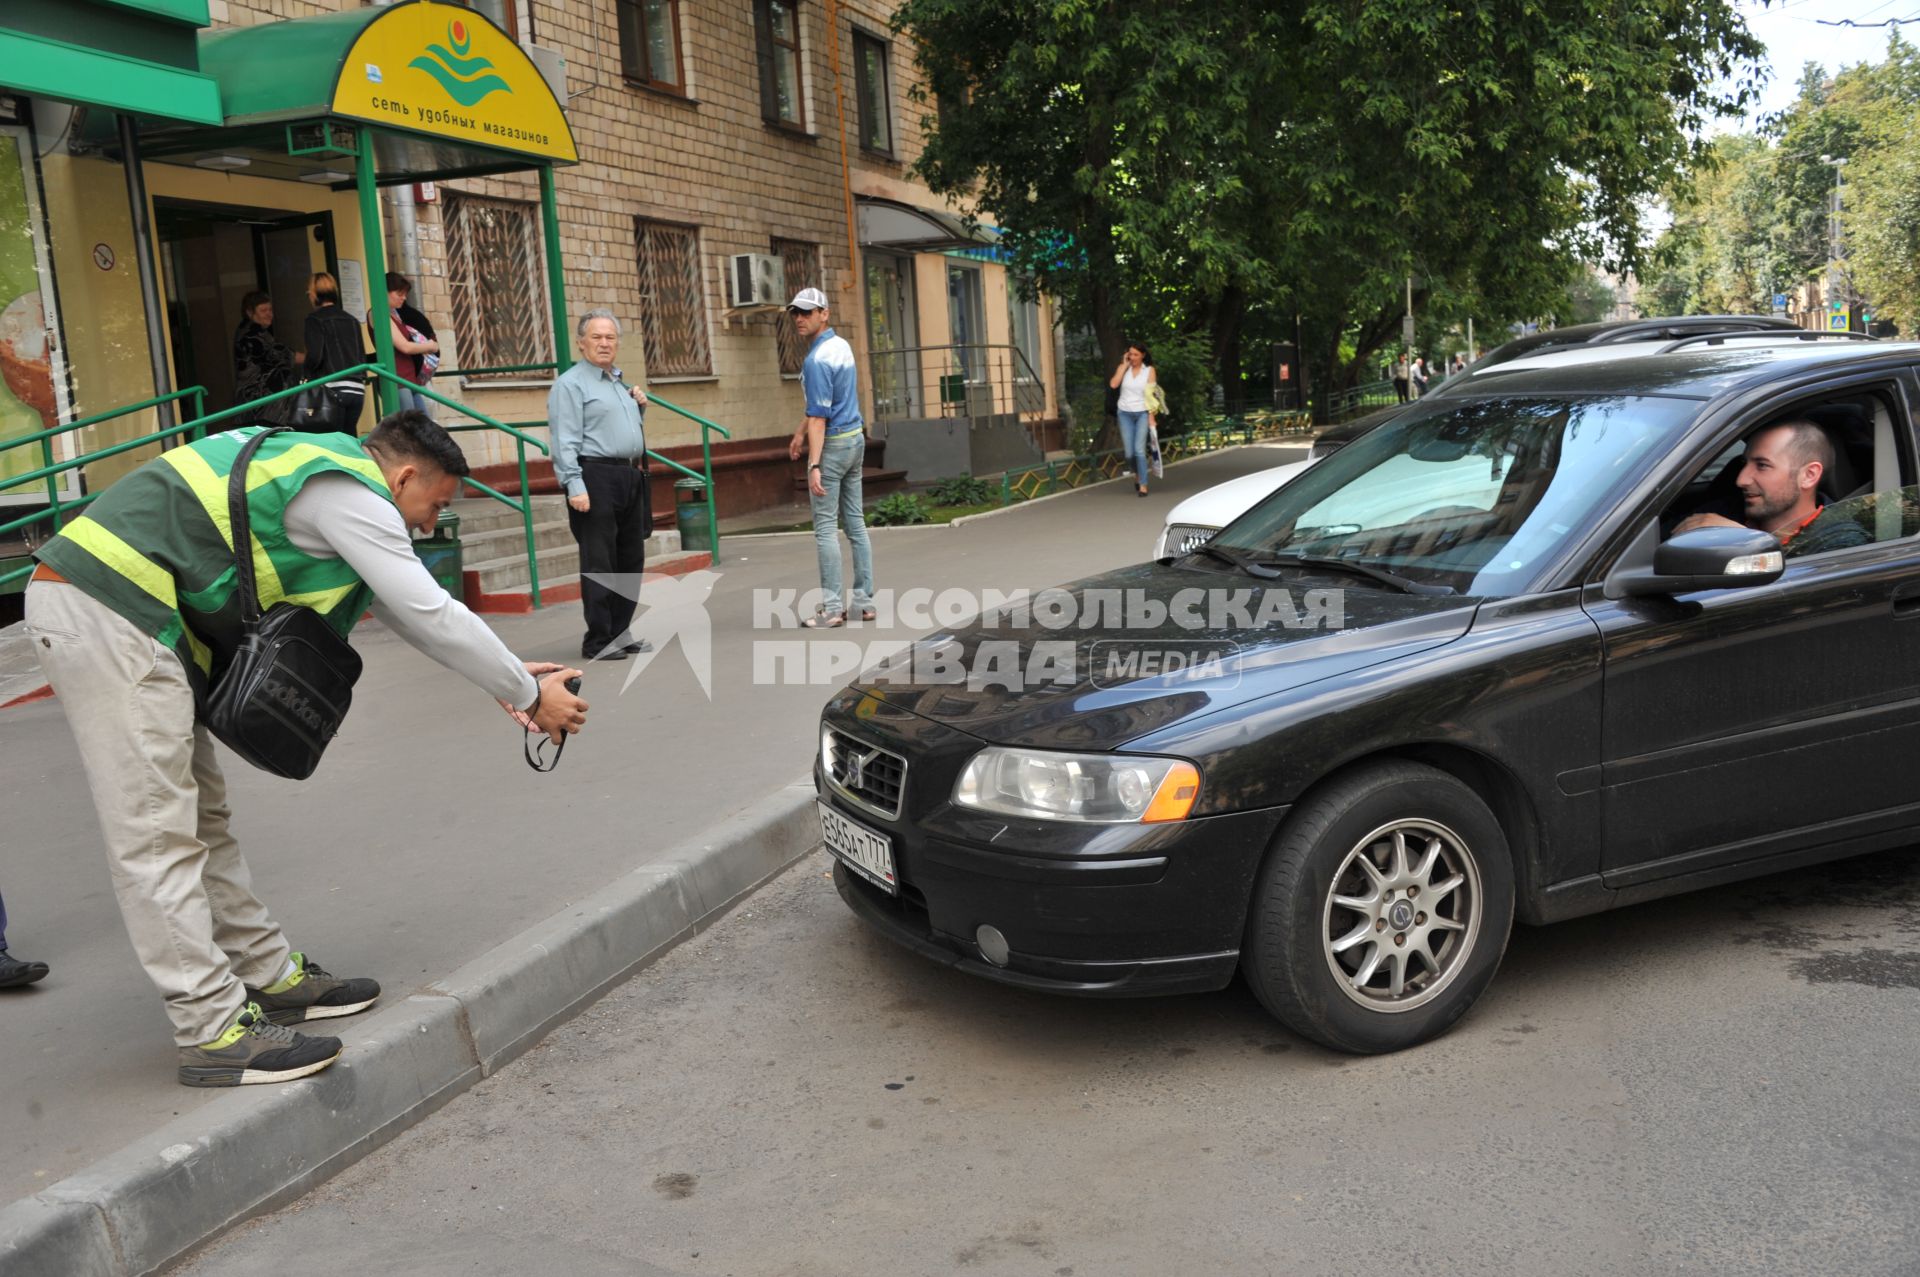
(899, 510)
(962, 489)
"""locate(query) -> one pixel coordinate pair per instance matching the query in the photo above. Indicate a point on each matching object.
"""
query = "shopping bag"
(1153, 452)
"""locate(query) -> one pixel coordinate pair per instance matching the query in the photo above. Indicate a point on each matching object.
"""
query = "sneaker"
(14, 972)
(255, 1050)
(313, 994)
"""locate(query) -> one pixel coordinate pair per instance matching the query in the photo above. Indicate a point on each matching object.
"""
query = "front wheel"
(1382, 911)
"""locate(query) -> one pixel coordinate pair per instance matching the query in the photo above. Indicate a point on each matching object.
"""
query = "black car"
(1540, 697)
(1612, 332)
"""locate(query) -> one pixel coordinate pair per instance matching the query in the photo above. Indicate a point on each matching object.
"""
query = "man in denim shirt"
(835, 442)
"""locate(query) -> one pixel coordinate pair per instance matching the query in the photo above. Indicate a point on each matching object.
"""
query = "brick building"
(710, 141)
(705, 132)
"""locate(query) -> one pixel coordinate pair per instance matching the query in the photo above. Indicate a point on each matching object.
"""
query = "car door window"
(1866, 495)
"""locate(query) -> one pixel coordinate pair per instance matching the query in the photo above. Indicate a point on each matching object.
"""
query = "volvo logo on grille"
(857, 767)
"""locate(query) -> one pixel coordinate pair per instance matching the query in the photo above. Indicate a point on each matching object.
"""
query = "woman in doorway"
(412, 343)
(1131, 379)
(261, 365)
(333, 345)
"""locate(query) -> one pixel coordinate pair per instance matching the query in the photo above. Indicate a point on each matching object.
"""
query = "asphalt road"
(424, 840)
(1718, 1083)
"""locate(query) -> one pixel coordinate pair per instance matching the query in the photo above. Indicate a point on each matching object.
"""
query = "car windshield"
(1474, 496)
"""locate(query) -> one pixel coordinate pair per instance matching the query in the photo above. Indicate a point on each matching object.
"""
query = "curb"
(147, 1205)
(965, 519)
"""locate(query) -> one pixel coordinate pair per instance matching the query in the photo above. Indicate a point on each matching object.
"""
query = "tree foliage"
(1213, 168)
(1754, 221)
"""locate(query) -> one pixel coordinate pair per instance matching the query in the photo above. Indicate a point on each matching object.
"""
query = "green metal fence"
(1067, 473)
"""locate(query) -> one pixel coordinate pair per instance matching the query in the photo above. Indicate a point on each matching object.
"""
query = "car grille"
(1185, 538)
(866, 773)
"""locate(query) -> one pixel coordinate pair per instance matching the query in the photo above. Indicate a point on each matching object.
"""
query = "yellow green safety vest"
(157, 546)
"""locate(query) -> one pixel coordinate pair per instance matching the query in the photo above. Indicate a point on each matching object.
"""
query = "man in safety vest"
(133, 608)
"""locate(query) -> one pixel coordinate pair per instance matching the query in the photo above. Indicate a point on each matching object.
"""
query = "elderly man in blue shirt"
(599, 457)
(835, 440)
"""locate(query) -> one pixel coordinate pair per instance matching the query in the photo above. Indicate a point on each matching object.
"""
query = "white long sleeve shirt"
(336, 516)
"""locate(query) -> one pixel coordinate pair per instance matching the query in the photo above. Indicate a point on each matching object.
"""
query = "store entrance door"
(212, 256)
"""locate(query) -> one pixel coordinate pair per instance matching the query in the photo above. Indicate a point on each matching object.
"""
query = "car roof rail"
(1773, 337)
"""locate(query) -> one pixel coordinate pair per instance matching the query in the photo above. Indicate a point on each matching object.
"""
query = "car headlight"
(1104, 789)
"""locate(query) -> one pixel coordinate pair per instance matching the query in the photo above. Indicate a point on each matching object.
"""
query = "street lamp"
(1836, 246)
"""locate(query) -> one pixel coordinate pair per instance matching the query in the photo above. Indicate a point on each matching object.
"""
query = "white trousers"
(184, 889)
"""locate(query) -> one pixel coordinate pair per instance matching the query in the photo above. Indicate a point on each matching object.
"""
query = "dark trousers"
(3, 924)
(613, 540)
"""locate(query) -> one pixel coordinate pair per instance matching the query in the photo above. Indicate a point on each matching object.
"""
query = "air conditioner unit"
(551, 66)
(754, 279)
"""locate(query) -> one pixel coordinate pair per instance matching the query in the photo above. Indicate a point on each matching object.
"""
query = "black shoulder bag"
(290, 683)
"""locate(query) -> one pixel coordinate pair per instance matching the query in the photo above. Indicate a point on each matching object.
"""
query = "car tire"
(1326, 932)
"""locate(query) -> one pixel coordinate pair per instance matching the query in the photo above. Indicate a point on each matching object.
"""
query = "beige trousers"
(184, 889)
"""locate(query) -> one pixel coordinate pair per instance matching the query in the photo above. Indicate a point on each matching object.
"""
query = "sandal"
(825, 621)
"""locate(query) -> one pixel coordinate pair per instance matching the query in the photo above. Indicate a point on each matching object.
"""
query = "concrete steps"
(494, 555)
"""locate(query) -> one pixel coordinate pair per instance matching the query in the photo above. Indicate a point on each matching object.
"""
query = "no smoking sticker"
(103, 256)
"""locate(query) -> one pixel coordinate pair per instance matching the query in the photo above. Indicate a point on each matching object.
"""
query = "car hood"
(1007, 682)
(1221, 504)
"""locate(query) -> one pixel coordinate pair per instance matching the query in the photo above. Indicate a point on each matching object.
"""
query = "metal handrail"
(909, 368)
(706, 440)
(56, 508)
(196, 427)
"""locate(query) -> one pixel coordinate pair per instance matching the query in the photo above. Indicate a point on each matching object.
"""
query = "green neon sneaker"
(255, 1050)
(311, 993)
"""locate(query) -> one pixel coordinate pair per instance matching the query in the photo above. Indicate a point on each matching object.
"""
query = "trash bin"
(442, 553)
(690, 514)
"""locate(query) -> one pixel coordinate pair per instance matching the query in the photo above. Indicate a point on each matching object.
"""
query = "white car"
(1193, 521)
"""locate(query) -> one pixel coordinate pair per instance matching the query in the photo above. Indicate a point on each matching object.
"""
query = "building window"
(801, 262)
(673, 305)
(1023, 325)
(501, 11)
(650, 43)
(870, 83)
(499, 284)
(777, 31)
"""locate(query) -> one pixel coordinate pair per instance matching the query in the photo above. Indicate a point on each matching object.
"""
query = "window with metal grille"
(650, 43)
(776, 27)
(673, 305)
(875, 94)
(802, 265)
(498, 281)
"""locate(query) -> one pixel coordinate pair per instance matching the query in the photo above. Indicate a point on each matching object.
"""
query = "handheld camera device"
(535, 754)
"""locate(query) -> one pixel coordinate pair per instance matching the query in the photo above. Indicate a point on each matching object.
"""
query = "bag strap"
(242, 527)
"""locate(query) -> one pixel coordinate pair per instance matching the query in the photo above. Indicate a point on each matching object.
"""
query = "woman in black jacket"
(333, 344)
(261, 365)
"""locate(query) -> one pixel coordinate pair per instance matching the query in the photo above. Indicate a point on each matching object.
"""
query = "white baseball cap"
(808, 299)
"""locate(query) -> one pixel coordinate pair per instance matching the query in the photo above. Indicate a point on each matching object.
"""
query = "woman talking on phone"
(1131, 379)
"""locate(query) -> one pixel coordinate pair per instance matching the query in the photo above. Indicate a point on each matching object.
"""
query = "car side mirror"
(1707, 559)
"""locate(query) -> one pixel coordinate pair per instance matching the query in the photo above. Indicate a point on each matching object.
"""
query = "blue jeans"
(840, 462)
(1133, 437)
(409, 397)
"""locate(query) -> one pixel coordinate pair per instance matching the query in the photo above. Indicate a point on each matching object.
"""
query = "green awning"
(33, 64)
(439, 71)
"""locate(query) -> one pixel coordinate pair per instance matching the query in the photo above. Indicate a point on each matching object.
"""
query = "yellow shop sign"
(445, 70)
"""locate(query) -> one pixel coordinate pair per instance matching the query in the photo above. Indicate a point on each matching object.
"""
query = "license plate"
(865, 851)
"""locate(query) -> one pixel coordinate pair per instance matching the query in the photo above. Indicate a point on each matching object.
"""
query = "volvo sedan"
(1589, 636)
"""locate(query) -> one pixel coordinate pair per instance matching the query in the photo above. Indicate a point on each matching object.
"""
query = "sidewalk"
(425, 842)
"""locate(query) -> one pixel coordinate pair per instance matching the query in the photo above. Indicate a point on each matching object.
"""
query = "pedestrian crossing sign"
(1837, 321)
